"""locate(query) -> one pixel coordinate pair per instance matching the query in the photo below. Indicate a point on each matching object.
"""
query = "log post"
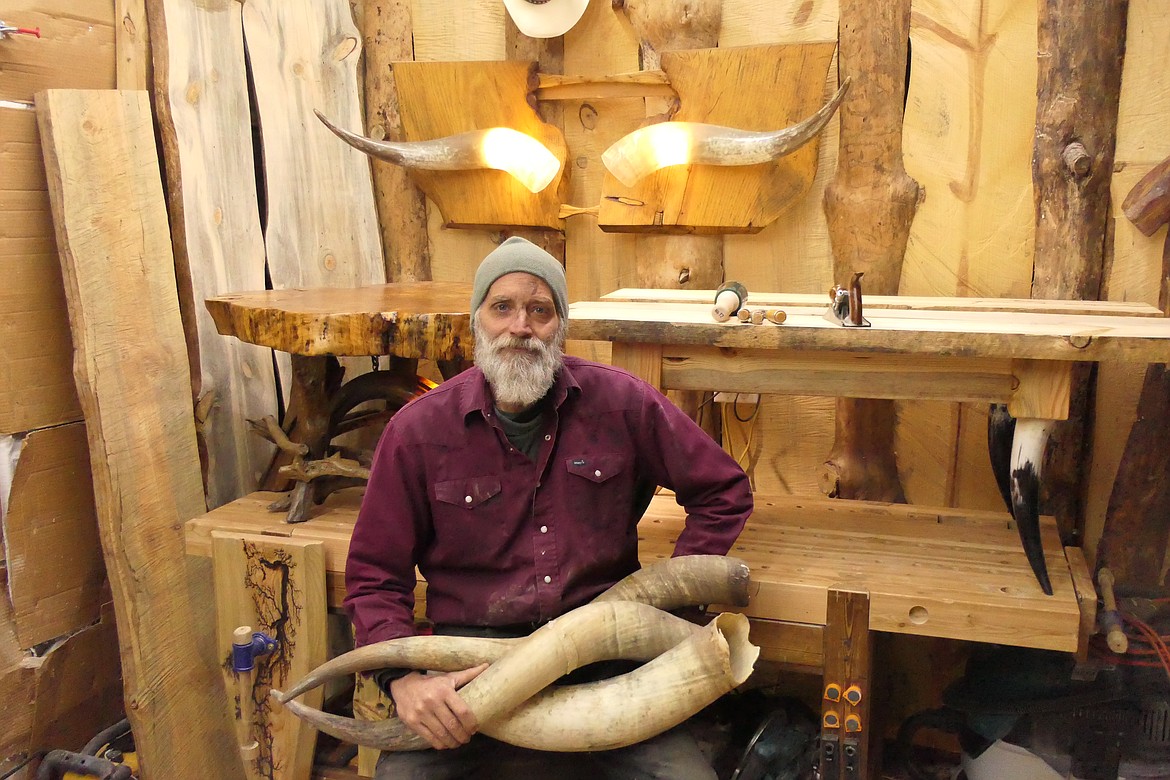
(1081, 47)
(402, 208)
(869, 206)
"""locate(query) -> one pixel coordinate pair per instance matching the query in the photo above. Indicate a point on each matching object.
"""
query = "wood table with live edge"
(406, 321)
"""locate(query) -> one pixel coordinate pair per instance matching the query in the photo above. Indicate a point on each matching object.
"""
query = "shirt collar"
(477, 397)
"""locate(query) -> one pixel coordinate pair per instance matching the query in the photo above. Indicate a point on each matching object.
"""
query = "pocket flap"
(467, 493)
(597, 468)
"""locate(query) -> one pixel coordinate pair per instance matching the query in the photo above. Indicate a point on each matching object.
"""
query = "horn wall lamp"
(719, 165)
(498, 148)
(658, 146)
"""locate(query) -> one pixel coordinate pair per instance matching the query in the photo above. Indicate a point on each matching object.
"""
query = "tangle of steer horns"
(688, 666)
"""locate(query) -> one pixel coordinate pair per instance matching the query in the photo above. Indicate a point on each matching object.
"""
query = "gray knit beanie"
(519, 254)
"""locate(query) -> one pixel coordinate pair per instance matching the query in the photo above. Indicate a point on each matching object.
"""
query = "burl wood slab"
(408, 319)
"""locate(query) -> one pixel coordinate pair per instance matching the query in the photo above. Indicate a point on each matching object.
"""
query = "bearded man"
(516, 489)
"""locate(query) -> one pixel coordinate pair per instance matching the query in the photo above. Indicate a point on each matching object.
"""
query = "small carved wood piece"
(870, 205)
(1148, 204)
(277, 586)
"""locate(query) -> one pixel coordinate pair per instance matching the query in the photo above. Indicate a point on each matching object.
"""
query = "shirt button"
(547, 579)
(544, 529)
(467, 499)
(597, 473)
(547, 437)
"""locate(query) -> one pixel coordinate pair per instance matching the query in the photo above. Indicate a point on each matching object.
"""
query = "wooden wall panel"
(597, 262)
(36, 382)
(461, 30)
(75, 50)
(1136, 271)
(793, 435)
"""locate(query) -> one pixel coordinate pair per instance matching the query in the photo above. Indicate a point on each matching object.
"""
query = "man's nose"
(521, 325)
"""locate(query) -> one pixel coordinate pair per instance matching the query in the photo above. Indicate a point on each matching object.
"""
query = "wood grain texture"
(463, 31)
(132, 377)
(322, 226)
(276, 586)
(36, 381)
(132, 44)
(719, 199)
(439, 99)
(402, 209)
(960, 334)
(1135, 272)
(75, 50)
(1148, 204)
(964, 568)
(206, 129)
(408, 319)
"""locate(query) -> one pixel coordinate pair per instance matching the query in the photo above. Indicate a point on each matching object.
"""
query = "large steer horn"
(500, 148)
(699, 668)
(686, 581)
(649, 148)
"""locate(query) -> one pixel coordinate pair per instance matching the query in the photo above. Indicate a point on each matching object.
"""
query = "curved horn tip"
(276, 695)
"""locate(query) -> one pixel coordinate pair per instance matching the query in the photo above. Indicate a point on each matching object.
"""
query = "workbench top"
(957, 574)
(955, 327)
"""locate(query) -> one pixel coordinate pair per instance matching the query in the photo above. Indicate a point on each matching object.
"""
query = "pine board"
(322, 228)
(133, 382)
(205, 124)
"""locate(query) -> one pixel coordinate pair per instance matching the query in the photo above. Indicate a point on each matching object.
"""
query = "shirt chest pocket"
(599, 468)
(467, 493)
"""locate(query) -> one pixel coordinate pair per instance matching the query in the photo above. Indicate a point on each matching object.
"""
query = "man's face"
(518, 339)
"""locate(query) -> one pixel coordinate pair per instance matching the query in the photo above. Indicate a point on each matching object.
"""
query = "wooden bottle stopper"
(744, 315)
(729, 298)
(775, 315)
(757, 316)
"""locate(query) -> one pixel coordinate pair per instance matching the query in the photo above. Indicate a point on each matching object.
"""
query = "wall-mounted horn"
(661, 145)
(498, 148)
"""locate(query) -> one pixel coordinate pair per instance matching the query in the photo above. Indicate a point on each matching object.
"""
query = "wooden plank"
(205, 124)
(56, 576)
(921, 303)
(36, 381)
(276, 586)
(115, 252)
(971, 334)
(322, 227)
(848, 660)
(850, 374)
(75, 50)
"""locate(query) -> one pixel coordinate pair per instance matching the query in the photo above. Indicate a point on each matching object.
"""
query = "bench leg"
(845, 721)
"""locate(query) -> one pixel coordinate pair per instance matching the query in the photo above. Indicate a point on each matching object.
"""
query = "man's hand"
(431, 707)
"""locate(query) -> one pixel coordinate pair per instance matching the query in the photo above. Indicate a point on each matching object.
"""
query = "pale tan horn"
(593, 632)
(624, 710)
(676, 582)
(688, 580)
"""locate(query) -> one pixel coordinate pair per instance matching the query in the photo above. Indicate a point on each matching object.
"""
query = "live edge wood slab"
(951, 573)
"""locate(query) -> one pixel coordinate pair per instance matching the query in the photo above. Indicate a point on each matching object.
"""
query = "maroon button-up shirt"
(503, 540)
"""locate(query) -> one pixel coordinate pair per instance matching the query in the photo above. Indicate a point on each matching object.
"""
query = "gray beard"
(518, 378)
